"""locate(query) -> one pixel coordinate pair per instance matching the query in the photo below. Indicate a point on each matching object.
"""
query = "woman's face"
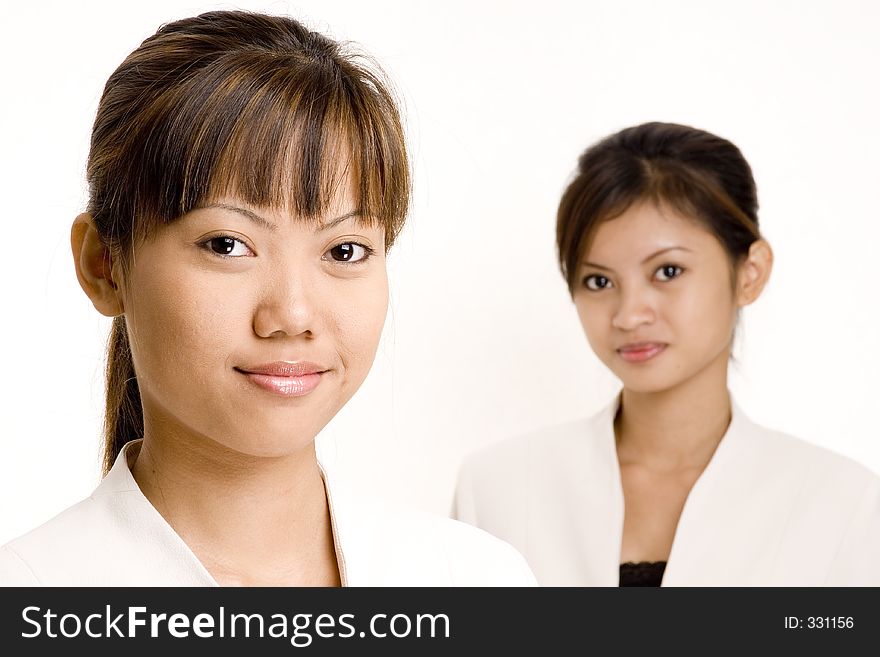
(656, 298)
(252, 328)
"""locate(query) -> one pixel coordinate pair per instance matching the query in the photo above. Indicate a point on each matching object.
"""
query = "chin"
(271, 445)
(648, 382)
(644, 387)
(270, 435)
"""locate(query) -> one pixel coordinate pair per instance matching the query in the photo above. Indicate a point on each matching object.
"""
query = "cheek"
(706, 311)
(357, 316)
(594, 320)
(181, 323)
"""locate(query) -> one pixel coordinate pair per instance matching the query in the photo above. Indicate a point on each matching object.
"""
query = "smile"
(641, 352)
(285, 379)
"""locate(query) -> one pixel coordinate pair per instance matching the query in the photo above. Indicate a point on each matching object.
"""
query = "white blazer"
(117, 538)
(768, 510)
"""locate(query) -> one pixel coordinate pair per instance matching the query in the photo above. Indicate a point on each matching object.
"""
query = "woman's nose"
(635, 308)
(287, 308)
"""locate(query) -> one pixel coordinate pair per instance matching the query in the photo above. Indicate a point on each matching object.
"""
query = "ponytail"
(123, 414)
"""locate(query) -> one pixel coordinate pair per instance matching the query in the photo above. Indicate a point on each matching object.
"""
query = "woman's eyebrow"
(650, 257)
(265, 223)
(662, 251)
(333, 222)
(253, 216)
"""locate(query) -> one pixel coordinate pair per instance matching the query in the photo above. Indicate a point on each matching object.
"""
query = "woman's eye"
(224, 245)
(596, 282)
(668, 272)
(349, 252)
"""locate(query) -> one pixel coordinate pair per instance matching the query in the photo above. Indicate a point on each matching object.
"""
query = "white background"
(482, 341)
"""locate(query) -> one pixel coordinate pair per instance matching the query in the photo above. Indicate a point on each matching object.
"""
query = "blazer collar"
(740, 427)
(719, 479)
(120, 484)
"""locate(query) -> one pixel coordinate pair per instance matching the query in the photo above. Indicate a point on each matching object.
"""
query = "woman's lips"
(641, 351)
(287, 379)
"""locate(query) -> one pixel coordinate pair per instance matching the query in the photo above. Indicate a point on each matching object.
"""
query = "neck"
(676, 428)
(250, 520)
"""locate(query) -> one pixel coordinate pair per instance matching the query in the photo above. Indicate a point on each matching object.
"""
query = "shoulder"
(819, 468)
(112, 538)
(14, 570)
(539, 449)
(473, 557)
(521, 482)
(827, 504)
(525, 467)
(386, 545)
(60, 543)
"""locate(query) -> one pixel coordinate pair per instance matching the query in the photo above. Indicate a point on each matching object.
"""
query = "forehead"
(340, 196)
(645, 228)
(296, 177)
(279, 222)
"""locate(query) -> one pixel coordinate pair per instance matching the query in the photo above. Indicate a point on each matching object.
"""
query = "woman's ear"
(753, 272)
(94, 266)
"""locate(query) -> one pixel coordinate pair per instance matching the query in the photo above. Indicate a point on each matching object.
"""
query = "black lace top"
(644, 573)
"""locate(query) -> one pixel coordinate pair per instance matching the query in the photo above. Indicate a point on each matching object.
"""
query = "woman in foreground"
(671, 483)
(247, 177)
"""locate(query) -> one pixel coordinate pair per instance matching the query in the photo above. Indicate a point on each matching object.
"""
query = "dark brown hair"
(700, 175)
(243, 104)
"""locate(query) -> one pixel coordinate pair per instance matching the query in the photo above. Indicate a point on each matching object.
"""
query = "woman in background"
(671, 483)
(247, 177)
